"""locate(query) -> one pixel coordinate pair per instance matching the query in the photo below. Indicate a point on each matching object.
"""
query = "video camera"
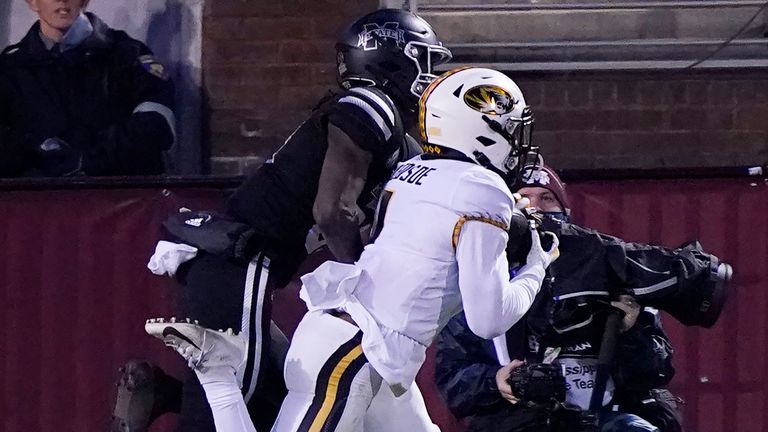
(542, 387)
(538, 383)
(688, 283)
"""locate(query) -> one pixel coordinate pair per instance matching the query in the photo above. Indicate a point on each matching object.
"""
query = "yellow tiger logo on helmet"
(489, 99)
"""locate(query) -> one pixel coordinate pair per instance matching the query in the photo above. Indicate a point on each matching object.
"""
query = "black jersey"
(277, 200)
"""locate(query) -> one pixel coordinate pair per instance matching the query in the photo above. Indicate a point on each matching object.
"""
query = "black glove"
(58, 159)
(213, 233)
(519, 243)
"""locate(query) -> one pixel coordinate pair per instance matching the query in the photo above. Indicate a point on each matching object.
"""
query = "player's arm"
(341, 181)
(492, 302)
(361, 125)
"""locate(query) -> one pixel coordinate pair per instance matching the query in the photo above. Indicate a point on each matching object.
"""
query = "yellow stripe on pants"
(333, 388)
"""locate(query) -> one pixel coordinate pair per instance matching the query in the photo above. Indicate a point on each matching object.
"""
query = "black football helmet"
(392, 49)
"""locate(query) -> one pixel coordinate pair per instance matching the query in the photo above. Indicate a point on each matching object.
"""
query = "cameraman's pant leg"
(623, 422)
(328, 377)
(408, 412)
(223, 294)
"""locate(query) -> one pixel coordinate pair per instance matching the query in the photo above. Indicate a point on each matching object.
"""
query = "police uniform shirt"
(441, 245)
(104, 95)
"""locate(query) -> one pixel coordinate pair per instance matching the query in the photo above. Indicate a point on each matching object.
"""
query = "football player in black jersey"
(327, 173)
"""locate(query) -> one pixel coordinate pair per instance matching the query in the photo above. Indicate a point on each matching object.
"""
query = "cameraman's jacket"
(571, 314)
(466, 364)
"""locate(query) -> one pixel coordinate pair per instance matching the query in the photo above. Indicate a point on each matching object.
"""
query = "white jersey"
(443, 231)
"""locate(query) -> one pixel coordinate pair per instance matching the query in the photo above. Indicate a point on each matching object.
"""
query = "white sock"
(229, 411)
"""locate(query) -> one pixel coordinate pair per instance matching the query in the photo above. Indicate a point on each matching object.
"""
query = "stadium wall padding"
(75, 291)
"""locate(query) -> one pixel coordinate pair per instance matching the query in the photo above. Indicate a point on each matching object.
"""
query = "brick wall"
(266, 63)
(650, 120)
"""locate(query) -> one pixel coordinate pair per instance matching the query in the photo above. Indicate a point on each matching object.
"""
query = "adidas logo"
(197, 221)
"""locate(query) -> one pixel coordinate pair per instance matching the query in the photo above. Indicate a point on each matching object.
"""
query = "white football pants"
(333, 388)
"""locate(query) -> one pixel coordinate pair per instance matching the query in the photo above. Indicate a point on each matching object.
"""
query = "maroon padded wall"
(74, 293)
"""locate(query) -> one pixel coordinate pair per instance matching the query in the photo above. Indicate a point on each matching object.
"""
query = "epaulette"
(10, 49)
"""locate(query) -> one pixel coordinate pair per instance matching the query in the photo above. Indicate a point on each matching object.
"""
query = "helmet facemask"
(517, 131)
(425, 57)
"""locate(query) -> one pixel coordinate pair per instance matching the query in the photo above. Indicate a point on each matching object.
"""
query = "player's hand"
(537, 254)
(501, 381)
(631, 309)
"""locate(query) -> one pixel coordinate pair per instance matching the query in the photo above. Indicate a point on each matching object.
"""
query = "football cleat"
(144, 392)
(135, 398)
(202, 348)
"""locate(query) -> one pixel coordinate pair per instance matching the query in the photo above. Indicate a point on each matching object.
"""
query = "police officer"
(77, 97)
(327, 173)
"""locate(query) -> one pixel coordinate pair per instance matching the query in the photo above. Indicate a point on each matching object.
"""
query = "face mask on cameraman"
(558, 216)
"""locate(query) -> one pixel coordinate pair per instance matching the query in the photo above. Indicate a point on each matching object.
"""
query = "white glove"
(168, 257)
(537, 254)
(521, 202)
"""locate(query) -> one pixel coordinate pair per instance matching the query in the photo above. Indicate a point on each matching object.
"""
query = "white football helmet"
(480, 113)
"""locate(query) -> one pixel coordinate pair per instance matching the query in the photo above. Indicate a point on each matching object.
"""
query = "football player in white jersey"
(439, 247)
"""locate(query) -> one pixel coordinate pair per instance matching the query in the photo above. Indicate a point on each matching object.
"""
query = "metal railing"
(609, 44)
(620, 65)
(420, 6)
(673, 53)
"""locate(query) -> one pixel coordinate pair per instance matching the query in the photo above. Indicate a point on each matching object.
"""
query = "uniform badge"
(154, 67)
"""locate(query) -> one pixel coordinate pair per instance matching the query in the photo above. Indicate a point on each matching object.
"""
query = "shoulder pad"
(377, 100)
(374, 92)
(480, 175)
(480, 191)
(378, 107)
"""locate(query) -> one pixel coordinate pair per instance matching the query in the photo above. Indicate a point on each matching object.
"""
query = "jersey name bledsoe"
(412, 173)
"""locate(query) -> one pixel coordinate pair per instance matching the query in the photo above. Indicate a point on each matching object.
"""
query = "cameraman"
(472, 373)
